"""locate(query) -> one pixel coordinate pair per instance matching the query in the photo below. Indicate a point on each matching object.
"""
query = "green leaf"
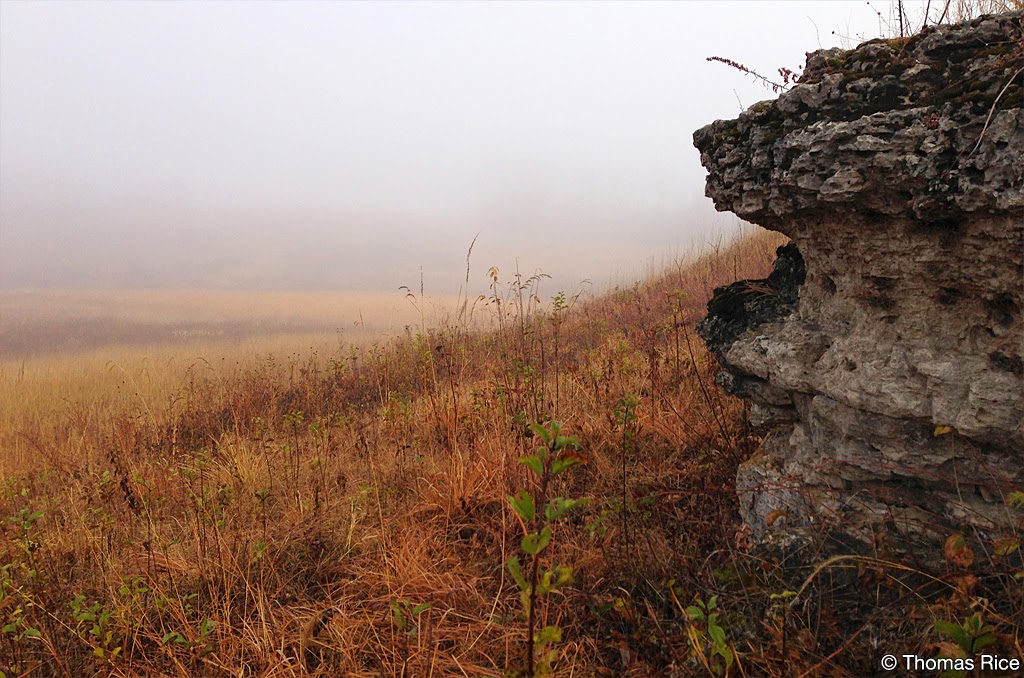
(559, 506)
(567, 459)
(717, 634)
(523, 505)
(33, 633)
(544, 585)
(973, 624)
(983, 641)
(957, 633)
(421, 608)
(1015, 499)
(695, 613)
(173, 636)
(534, 543)
(541, 432)
(560, 465)
(516, 571)
(10, 628)
(545, 661)
(549, 634)
(533, 463)
(726, 653)
(396, 613)
(1007, 546)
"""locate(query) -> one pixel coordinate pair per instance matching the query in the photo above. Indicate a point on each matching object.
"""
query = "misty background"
(260, 145)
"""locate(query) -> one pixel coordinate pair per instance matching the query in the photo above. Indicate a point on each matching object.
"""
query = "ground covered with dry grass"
(347, 513)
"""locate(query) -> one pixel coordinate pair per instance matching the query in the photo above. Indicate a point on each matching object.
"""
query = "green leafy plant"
(96, 627)
(24, 521)
(15, 633)
(18, 577)
(538, 512)
(203, 645)
(707, 636)
(404, 615)
(626, 420)
(15, 622)
(969, 638)
(1010, 545)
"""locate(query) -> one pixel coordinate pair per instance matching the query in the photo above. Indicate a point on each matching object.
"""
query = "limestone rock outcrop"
(885, 354)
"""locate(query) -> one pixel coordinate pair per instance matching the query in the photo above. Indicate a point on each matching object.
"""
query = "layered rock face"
(886, 351)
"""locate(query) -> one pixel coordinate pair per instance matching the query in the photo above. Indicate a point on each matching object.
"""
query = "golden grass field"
(36, 322)
(105, 351)
(313, 505)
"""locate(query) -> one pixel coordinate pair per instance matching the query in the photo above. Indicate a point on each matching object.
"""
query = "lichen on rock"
(897, 169)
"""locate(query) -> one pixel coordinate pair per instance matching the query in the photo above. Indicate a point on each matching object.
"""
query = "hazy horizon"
(350, 145)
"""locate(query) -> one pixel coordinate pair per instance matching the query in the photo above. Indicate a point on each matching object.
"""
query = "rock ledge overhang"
(889, 363)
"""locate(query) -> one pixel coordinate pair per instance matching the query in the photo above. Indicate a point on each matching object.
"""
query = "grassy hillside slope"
(348, 514)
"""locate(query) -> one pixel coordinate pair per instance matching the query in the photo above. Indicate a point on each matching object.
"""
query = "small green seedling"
(704, 627)
(537, 512)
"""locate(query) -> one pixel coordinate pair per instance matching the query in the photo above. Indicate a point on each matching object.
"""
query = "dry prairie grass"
(89, 355)
(41, 322)
(287, 516)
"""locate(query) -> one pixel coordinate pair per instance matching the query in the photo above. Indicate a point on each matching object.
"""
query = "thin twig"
(992, 110)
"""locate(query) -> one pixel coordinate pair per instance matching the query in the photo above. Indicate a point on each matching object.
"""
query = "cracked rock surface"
(886, 351)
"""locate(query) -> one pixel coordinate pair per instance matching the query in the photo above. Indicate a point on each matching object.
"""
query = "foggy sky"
(347, 145)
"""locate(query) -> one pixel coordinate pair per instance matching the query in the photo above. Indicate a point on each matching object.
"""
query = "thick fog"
(348, 145)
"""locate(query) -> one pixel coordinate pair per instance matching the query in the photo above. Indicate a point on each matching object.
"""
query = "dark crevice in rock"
(741, 306)
(1013, 364)
(1003, 308)
(949, 296)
